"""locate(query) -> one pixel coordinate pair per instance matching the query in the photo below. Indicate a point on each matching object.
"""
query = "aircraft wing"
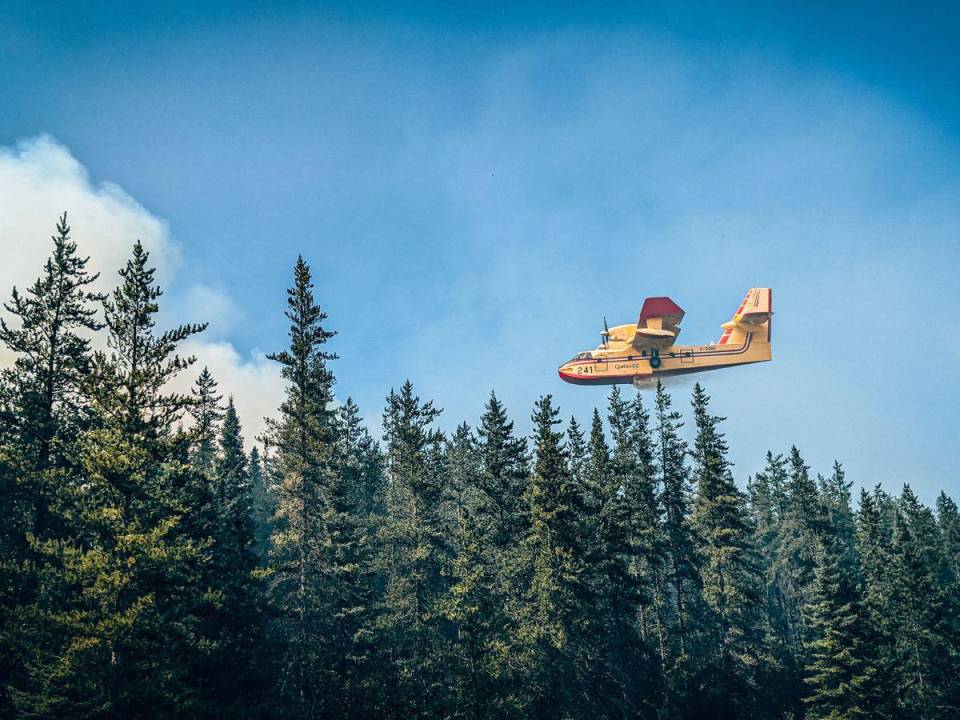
(659, 323)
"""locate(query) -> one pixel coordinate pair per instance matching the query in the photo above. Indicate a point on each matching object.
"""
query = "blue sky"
(476, 188)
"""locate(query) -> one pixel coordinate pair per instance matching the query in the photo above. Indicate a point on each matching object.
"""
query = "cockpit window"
(584, 356)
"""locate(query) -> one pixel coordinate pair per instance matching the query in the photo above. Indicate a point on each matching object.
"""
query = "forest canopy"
(152, 567)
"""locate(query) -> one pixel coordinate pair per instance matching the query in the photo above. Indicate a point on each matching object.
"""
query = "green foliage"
(151, 567)
(728, 566)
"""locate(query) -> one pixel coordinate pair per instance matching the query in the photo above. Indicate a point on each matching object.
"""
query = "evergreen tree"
(635, 516)
(416, 555)
(126, 597)
(262, 506)
(838, 673)
(556, 599)
(305, 463)
(799, 534)
(576, 450)
(874, 545)
(728, 565)
(948, 520)
(496, 528)
(207, 412)
(41, 415)
(127, 382)
(503, 474)
(682, 571)
(925, 612)
(236, 681)
(361, 461)
(42, 408)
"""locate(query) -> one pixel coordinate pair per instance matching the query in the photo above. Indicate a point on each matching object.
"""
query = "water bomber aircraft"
(639, 354)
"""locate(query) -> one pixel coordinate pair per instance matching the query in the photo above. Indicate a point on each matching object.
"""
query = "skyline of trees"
(151, 567)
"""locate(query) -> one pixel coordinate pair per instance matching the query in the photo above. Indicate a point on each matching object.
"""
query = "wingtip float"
(640, 353)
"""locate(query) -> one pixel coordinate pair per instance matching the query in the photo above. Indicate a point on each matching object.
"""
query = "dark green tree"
(838, 671)
(305, 463)
(682, 572)
(127, 594)
(42, 413)
(416, 557)
(729, 567)
(361, 461)
(263, 506)
(551, 630)
(207, 412)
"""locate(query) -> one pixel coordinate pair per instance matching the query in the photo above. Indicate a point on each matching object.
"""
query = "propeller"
(605, 335)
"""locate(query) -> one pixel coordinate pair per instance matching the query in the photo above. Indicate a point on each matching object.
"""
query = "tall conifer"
(728, 564)
(304, 441)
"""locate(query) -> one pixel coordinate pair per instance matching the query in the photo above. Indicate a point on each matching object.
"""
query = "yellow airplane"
(640, 353)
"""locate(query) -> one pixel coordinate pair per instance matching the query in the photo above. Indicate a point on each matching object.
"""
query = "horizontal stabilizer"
(752, 317)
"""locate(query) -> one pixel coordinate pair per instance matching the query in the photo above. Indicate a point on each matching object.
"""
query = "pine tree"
(635, 520)
(207, 412)
(416, 555)
(925, 612)
(361, 461)
(800, 532)
(496, 528)
(41, 415)
(555, 603)
(838, 673)
(728, 565)
(263, 506)
(127, 591)
(503, 474)
(304, 437)
(683, 572)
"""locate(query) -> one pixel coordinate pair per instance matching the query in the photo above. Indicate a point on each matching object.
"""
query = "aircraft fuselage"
(613, 366)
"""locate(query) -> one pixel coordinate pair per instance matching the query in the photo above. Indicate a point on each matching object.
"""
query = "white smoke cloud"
(40, 179)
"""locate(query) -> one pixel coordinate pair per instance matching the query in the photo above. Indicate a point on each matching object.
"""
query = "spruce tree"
(416, 556)
(925, 612)
(207, 412)
(499, 524)
(838, 672)
(305, 463)
(635, 520)
(503, 473)
(800, 532)
(682, 571)
(556, 598)
(728, 565)
(262, 506)
(948, 520)
(236, 678)
(42, 413)
(130, 577)
(42, 406)
(361, 461)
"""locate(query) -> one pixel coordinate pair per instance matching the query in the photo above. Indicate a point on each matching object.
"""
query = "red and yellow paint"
(639, 353)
